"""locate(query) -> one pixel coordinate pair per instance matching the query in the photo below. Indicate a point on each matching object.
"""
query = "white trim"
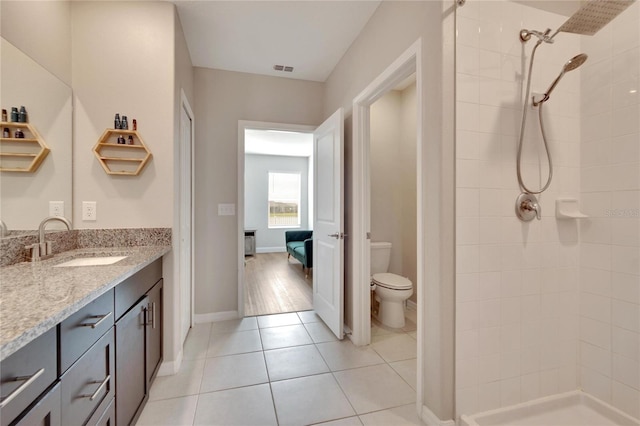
(216, 316)
(408, 63)
(431, 419)
(184, 104)
(271, 250)
(169, 368)
(412, 305)
(242, 126)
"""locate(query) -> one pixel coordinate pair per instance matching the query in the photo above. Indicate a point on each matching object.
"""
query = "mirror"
(25, 196)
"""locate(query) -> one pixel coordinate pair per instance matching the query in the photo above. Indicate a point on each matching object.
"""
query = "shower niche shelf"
(121, 159)
(22, 154)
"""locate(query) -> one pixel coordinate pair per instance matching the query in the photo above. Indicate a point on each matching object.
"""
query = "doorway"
(274, 173)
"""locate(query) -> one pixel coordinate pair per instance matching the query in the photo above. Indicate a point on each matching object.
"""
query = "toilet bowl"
(391, 290)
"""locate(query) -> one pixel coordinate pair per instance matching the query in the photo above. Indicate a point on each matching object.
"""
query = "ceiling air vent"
(284, 68)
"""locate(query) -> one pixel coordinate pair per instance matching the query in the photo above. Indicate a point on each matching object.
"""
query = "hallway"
(288, 369)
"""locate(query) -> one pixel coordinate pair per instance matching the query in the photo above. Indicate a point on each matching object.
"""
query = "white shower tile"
(627, 371)
(595, 358)
(488, 341)
(467, 344)
(626, 343)
(625, 259)
(466, 287)
(530, 386)
(595, 332)
(488, 369)
(510, 391)
(467, 202)
(625, 287)
(467, 317)
(626, 399)
(489, 286)
(596, 384)
(549, 382)
(467, 231)
(625, 315)
(468, 31)
(488, 313)
(595, 307)
(489, 396)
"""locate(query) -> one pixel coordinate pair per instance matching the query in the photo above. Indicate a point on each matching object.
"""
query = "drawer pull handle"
(28, 380)
(97, 323)
(97, 392)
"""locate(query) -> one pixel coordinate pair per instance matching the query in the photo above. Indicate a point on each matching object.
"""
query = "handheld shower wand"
(571, 65)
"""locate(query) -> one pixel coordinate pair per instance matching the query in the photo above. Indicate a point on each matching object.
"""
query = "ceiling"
(253, 36)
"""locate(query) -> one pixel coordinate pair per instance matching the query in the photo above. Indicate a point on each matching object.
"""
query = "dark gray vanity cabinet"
(138, 306)
(130, 355)
(46, 411)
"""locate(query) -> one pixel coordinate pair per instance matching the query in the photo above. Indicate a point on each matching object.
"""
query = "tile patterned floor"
(288, 369)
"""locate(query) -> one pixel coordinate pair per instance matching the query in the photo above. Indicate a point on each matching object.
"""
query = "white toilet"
(391, 289)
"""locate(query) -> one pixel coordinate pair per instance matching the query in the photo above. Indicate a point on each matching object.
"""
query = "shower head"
(593, 15)
(570, 65)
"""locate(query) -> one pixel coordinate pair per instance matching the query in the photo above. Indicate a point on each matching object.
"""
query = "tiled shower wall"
(553, 305)
(517, 283)
(610, 238)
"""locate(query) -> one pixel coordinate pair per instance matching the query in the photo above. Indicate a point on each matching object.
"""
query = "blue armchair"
(300, 246)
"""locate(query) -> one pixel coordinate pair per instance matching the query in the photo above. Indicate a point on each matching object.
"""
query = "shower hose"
(544, 136)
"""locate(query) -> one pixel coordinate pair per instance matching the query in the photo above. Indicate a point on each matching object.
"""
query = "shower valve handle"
(532, 206)
(527, 207)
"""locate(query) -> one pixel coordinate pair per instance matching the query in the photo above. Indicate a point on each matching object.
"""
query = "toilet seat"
(391, 281)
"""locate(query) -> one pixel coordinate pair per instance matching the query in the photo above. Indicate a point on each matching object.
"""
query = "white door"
(328, 229)
(186, 215)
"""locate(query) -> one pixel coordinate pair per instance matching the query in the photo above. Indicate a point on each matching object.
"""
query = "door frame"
(187, 171)
(242, 126)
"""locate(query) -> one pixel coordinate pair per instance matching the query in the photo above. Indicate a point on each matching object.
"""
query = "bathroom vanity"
(80, 344)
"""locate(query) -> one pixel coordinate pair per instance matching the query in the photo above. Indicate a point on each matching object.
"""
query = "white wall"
(256, 204)
(610, 196)
(517, 282)
(391, 30)
(221, 99)
(42, 30)
(393, 178)
(126, 67)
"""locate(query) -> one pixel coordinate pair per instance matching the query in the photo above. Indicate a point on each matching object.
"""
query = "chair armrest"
(297, 235)
(308, 252)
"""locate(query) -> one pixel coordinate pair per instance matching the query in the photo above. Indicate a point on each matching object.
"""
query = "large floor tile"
(233, 371)
(278, 320)
(234, 343)
(406, 415)
(374, 388)
(394, 347)
(197, 342)
(308, 400)
(170, 412)
(349, 421)
(229, 326)
(298, 361)
(286, 336)
(407, 369)
(185, 382)
(246, 406)
(309, 317)
(343, 354)
(320, 333)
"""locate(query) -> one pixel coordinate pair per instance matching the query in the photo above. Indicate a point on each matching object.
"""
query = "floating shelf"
(22, 154)
(119, 159)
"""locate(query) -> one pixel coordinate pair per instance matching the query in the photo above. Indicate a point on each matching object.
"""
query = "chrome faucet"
(43, 249)
(3, 229)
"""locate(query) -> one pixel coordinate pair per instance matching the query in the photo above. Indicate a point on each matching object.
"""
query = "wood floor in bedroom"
(274, 284)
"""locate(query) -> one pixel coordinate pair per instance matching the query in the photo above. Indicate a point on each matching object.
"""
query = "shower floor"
(573, 409)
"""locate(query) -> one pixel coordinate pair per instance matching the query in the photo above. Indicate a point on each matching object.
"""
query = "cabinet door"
(154, 332)
(46, 412)
(130, 361)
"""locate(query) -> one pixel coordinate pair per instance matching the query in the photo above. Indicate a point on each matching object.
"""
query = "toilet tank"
(380, 256)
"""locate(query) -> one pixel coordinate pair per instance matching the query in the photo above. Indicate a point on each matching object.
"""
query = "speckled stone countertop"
(34, 297)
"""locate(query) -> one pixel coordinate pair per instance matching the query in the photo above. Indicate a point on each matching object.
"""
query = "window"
(284, 200)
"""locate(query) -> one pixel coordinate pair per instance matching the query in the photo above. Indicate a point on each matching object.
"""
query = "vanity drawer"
(133, 288)
(84, 328)
(26, 374)
(89, 382)
(45, 412)
(105, 415)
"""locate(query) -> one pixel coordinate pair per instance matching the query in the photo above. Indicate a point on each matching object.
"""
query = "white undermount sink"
(91, 261)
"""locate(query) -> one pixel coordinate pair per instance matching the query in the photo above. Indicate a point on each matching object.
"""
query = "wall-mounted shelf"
(119, 159)
(22, 154)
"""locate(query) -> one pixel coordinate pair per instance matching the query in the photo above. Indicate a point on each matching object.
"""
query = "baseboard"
(271, 249)
(215, 317)
(169, 368)
(431, 419)
(412, 305)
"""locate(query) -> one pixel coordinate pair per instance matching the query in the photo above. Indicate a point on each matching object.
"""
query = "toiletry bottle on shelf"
(121, 140)
(6, 133)
(135, 124)
(14, 114)
(116, 122)
(125, 123)
(22, 115)
(130, 141)
(19, 134)
(4, 115)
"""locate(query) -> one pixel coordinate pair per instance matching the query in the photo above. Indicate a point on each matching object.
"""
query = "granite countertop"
(34, 297)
